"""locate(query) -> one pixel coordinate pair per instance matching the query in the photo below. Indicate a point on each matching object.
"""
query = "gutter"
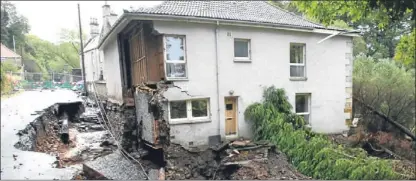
(191, 19)
(217, 78)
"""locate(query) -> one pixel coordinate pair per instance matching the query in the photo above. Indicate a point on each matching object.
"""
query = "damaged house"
(194, 67)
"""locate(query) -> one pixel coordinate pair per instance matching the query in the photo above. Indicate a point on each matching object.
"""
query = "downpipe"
(217, 78)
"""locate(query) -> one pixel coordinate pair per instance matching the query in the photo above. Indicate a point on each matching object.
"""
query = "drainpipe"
(217, 77)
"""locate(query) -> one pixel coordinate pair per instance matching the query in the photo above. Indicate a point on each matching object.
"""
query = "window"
(188, 110)
(303, 106)
(175, 59)
(242, 49)
(297, 60)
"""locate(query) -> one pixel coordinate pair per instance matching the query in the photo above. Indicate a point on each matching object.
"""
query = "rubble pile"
(237, 160)
(257, 160)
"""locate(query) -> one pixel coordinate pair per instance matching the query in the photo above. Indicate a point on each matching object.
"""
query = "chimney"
(106, 10)
(93, 27)
(109, 17)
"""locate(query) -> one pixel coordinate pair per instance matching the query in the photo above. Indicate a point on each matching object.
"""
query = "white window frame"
(175, 61)
(309, 98)
(243, 59)
(303, 64)
(189, 118)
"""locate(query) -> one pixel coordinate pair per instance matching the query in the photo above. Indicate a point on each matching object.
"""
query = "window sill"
(100, 81)
(177, 79)
(298, 78)
(188, 121)
(243, 60)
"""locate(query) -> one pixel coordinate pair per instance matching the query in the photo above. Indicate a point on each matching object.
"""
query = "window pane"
(178, 109)
(176, 70)
(199, 108)
(174, 48)
(240, 48)
(296, 54)
(302, 103)
(297, 71)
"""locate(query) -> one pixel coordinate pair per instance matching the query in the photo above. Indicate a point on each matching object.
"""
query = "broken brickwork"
(151, 108)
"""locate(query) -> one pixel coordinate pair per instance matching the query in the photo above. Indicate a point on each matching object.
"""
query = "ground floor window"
(303, 106)
(188, 109)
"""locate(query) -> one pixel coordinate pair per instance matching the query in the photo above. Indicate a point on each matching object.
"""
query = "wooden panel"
(153, 54)
(138, 56)
(230, 116)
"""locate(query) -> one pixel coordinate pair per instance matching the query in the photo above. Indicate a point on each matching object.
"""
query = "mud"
(211, 165)
(86, 139)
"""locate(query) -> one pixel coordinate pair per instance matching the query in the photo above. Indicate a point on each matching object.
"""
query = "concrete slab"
(16, 114)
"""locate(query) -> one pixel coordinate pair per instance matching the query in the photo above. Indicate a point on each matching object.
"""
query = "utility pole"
(82, 51)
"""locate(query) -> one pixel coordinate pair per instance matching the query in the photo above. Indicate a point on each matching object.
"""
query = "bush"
(6, 83)
(312, 153)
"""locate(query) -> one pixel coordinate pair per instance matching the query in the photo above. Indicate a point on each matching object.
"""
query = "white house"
(94, 64)
(219, 55)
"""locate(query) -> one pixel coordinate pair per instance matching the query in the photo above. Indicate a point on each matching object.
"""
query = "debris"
(14, 157)
(113, 166)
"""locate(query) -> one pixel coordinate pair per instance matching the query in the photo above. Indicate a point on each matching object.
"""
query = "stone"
(96, 127)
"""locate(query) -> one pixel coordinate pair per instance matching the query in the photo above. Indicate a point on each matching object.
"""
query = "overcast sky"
(46, 18)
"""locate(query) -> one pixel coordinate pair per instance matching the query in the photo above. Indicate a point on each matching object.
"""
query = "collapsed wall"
(123, 124)
(151, 108)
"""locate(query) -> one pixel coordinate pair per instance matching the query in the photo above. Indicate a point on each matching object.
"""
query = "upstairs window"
(242, 49)
(297, 60)
(303, 106)
(175, 58)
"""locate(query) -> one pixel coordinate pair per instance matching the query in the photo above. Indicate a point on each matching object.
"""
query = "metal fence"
(30, 80)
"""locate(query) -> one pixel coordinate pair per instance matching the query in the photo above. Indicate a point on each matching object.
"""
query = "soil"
(182, 164)
(43, 135)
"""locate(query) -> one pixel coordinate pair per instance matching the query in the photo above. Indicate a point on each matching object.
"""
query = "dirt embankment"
(71, 132)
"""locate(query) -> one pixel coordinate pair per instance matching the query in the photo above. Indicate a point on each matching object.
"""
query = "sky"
(47, 18)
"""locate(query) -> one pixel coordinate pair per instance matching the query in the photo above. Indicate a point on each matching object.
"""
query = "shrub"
(312, 153)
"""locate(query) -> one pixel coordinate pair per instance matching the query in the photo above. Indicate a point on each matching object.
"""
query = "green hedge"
(312, 154)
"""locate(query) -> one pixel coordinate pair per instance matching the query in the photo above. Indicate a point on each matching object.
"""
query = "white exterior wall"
(325, 70)
(93, 64)
(112, 68)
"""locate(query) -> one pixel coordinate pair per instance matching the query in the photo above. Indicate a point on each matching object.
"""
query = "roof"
(250, 11)
(242, 12)
(7, 53)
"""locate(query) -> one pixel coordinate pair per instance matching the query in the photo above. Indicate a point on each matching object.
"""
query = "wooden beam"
(394, 123)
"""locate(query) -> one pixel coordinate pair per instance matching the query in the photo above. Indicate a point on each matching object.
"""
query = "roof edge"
(160, 17)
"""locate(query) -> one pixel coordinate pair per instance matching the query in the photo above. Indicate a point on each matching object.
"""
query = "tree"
(388, 89)
(72, 36)
(12, 24)
(380, 27)
(328, 11)
(405, 51)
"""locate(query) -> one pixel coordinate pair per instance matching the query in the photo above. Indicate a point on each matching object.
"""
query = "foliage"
(380, 31)
(9, 67)
(49, 56)
(12, 24)
(6, 83)
(405, 51)
(312, 153)
(387, 88)
(328, 11)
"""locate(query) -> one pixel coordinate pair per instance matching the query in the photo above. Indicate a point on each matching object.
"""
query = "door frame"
(232, 136)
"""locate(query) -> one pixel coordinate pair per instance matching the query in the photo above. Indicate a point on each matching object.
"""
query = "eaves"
(126, 17)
